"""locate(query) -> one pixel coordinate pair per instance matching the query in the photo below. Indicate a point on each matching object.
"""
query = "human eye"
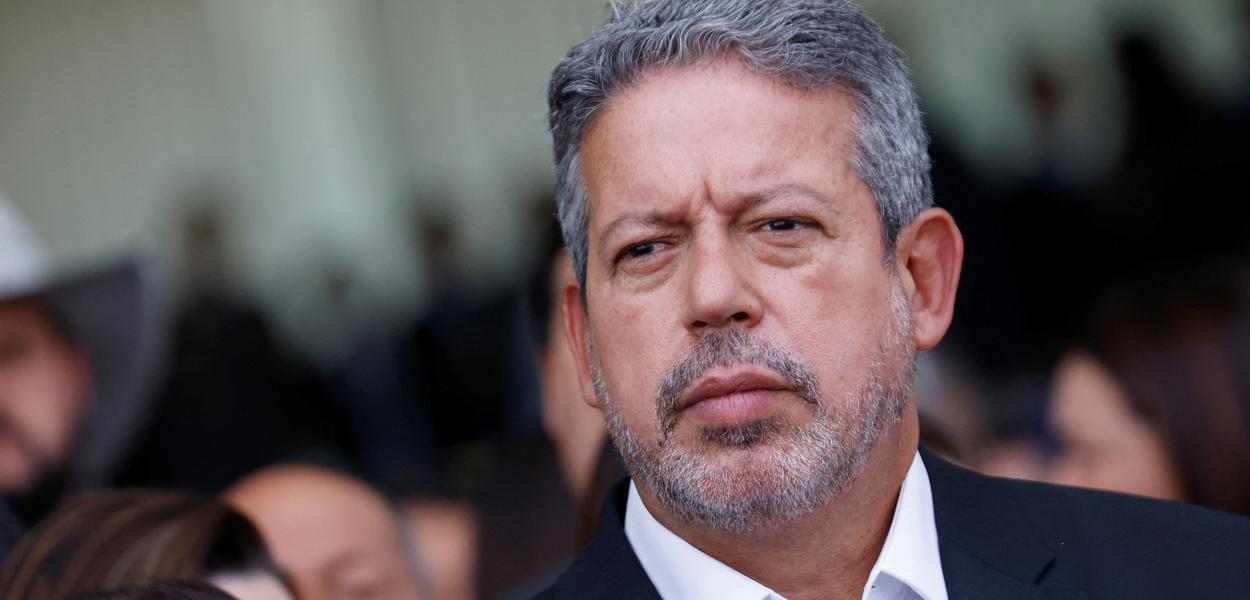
(785, 229)
(778, 225)
(639, 251)
(784, 239)
(643, 260)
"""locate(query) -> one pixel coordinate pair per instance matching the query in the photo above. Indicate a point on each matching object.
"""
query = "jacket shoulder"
(1063, 538)
(1091, 518)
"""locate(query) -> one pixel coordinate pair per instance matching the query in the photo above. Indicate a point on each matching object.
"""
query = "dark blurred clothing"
(392, 441)
(531, 524)
(32, 505)
(11, 531)
(458, 376)
(231, 402)
(528, 516)
(474, 367)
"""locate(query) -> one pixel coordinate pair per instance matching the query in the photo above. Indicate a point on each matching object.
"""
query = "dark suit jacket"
(1002, 539)
(11, 530)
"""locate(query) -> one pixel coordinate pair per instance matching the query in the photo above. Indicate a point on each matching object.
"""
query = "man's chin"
(758, 468)
(755, 463)
(741, 490)
(741, 436)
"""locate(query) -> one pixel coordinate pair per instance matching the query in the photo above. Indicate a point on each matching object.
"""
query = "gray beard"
(765, 473)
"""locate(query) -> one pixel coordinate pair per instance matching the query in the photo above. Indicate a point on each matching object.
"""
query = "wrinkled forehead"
(716, 130)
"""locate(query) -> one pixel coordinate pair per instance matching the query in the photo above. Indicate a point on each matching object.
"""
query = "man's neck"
(828, 553)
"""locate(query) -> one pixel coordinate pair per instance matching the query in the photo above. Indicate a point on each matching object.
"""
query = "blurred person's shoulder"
(1087, 541)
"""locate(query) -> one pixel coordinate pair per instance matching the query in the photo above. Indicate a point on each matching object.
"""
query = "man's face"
(749, 341)
(43, 384)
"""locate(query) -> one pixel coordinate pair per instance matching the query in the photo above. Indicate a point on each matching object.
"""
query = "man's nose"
(720, 292)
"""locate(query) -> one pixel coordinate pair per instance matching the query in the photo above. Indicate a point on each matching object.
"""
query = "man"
(72, 354)
(743, 189)
(334, 536)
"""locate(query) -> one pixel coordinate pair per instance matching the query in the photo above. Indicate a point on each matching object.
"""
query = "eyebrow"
(649, 218)
(785, 190)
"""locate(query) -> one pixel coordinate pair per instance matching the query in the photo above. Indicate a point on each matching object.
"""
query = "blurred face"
(564, 413)
(253, 586)
(575, 429)
(747, 340)
(43, 384)
(335, 538)
(1105, 444)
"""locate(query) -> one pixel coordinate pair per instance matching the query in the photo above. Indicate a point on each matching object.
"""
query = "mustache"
(726, 349)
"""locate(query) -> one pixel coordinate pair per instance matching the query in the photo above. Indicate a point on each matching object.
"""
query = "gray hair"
(809, 44)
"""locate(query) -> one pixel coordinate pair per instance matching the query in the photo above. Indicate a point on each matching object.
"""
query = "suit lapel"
(607, 566)
(989, 549)
(968, 578)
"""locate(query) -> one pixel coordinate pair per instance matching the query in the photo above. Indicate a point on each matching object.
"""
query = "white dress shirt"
(909, 567)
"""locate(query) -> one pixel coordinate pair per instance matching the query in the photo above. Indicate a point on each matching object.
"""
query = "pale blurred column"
(319, 159)
(472, 79)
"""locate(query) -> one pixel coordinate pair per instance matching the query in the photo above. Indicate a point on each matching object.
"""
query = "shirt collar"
(679, 570)
(909, 558)
(910, 555)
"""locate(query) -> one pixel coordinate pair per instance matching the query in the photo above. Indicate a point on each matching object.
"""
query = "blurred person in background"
(541, 504)
(225, 370)
(429, 400)
(71, 364)
(335, 537)
(575, 429)
(1131, 176)
(116, 540)
(588, 461)
(450, 533)
(1155, 400)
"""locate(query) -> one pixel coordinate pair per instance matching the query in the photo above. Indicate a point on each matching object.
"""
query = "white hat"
(109, 310)
(23, 266)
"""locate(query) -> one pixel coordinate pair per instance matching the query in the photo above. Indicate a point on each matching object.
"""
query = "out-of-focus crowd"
(190, 454)
(225, 467)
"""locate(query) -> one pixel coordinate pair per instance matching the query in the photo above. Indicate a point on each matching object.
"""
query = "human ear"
(573, 313)
(929, 254)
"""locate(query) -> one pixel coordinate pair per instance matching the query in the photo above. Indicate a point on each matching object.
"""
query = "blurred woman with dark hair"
(1156, 401)
(116, 540)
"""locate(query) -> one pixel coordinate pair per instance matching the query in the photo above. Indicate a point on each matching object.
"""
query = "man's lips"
(736, 386)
